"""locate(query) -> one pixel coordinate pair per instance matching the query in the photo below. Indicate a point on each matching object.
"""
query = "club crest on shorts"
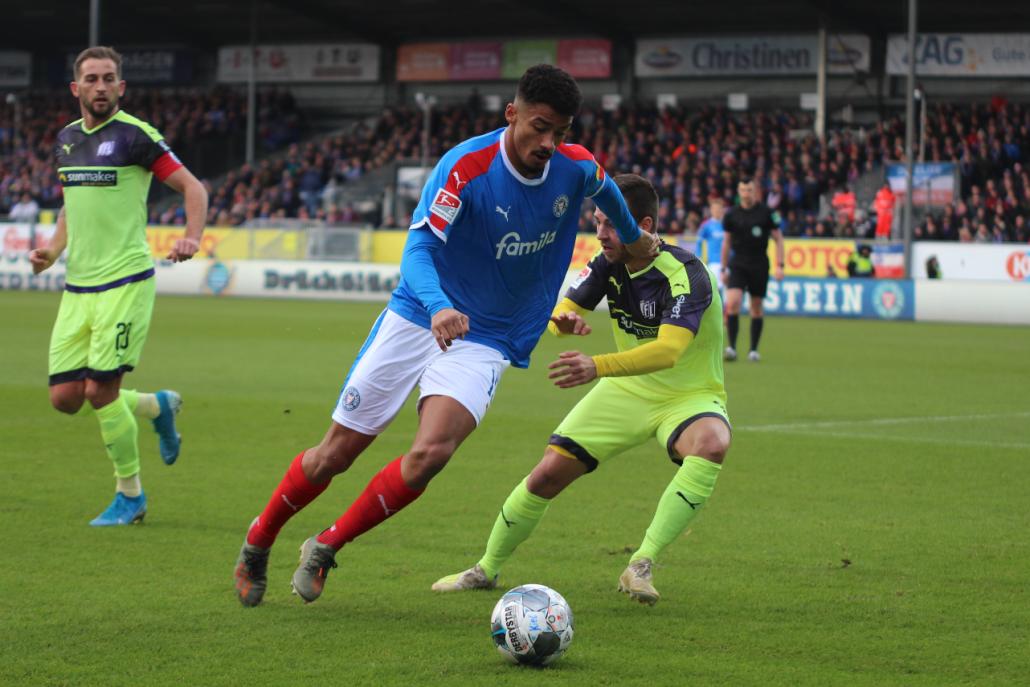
(351, 398)
(561, 204)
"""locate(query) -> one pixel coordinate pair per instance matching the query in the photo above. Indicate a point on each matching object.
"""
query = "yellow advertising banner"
(233, 244)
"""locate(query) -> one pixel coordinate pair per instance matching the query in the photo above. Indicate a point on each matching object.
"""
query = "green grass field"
(869, 528)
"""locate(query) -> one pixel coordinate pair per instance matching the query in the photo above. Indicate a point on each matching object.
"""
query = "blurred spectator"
(25, 210)
(883, 204)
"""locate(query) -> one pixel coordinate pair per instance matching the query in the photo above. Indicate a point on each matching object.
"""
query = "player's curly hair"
(552, 86)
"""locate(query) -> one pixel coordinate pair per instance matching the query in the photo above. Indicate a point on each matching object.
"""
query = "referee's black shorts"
(752, 277)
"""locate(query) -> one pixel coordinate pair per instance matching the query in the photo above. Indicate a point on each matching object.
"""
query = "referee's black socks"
(756, 331)
(732, 327)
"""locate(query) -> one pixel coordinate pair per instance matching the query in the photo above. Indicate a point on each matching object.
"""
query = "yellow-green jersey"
(105, 174)
(675, 289)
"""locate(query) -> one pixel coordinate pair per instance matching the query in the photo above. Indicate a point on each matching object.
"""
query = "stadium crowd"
(186, 118)
(691, 155)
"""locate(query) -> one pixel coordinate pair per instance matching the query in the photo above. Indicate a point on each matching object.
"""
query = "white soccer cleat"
(473, 578)
(730, 354)
(753, 356)
(636, 581)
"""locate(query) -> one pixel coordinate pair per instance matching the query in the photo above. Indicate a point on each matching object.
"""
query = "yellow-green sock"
(141, 404)
(118, 429)
(518, 518)
(683, 498)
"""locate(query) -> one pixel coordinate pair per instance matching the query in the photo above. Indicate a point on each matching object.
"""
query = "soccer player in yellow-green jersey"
(665, 382)
(105, 162)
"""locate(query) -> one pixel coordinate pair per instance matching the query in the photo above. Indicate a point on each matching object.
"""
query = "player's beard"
(108, 107)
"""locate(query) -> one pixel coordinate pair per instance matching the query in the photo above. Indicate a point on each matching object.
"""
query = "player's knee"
(66, 401)
(756, 308)
(427, 458)
(711, 447)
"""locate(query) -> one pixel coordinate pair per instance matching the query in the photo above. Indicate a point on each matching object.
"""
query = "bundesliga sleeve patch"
(580, 278)
(446, 205)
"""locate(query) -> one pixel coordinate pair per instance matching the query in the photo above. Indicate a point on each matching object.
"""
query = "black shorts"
(750, 276)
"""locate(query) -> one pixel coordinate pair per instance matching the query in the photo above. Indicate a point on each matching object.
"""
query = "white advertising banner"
(1008, 262)
(750, 55)
(299, 63)
(316, 280)
(962, 54)
(15, 68)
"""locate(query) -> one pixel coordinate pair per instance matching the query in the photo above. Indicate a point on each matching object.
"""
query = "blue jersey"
(711, 234)
(495, 245)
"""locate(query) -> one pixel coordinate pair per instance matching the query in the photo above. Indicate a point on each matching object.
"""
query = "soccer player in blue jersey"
(710, 235)
(488, 248)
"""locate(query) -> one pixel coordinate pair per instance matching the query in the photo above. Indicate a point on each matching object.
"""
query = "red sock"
(293, 493)
(385, 495)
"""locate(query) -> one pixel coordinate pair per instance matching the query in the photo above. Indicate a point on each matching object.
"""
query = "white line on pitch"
(795, 426)
(911, 440)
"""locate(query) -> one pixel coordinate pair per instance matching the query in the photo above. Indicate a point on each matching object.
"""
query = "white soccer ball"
(532, 624)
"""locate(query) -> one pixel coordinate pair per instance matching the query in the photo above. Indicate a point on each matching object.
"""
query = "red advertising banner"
(475, 61)
(423, 62)
(586, 58)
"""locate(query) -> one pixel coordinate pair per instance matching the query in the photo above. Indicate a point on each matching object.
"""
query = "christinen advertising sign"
(880, 299)
(750, 55)
(962, 54)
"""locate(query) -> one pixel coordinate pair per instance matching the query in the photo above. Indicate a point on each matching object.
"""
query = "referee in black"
(745, 262)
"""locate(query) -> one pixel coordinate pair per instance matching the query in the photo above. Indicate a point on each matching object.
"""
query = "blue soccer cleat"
(122, 511)
(169, 440)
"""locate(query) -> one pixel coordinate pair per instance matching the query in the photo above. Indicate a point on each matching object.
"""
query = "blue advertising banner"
(876, 299)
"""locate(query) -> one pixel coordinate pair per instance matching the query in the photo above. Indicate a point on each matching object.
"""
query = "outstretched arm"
(640, 244)
(574, 368)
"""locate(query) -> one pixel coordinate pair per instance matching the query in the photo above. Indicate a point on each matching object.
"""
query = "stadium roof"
(207, 24)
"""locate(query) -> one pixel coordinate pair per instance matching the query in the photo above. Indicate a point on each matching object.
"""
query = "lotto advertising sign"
(875, 299)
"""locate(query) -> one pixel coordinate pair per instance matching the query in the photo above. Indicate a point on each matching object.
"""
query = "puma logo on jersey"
(458, 183)
(617, 285)
(504, 212)
(67, 147)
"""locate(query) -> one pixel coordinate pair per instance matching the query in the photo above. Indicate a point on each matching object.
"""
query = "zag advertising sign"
(876, 299)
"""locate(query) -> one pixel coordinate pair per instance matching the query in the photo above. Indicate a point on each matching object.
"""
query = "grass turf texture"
(833, 550)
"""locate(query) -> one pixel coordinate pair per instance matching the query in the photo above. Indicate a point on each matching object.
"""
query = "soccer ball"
(532, 624)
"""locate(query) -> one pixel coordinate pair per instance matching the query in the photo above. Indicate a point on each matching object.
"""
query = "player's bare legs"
(337, 451)
(519, 516)
(702, 446)
(307, 477)
(443, 424)
(734, 298)
(68, 397)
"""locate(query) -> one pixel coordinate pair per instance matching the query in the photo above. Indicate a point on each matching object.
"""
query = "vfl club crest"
(561, 204)
(647, 309)
(351, 398)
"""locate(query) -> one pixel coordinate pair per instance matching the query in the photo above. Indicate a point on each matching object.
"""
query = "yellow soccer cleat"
(636, 581)
(473, 578)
